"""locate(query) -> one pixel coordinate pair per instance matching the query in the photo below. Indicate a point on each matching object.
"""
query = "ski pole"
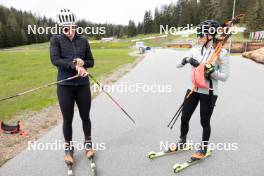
(175, 117)
(37, 88)
(115, 102)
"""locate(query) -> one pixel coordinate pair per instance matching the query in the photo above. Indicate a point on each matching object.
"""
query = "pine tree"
(203, 6)
(226, 8)
(148, 22)
(185, 12)
(175, 16)
(255, 18)
(131, 29)
(140, 29)
(213, 8)
(3, 14)
(2, 39)
(157, 20)
(24, 39)
(194, 12)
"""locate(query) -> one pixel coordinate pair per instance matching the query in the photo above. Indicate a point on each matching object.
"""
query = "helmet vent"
(66, 18)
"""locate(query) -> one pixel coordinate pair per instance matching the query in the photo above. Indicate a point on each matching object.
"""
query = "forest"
(13, 22)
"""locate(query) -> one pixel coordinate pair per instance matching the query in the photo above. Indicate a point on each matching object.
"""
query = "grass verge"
(26, 67)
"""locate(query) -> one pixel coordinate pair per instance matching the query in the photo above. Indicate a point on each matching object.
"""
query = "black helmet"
(207, 27)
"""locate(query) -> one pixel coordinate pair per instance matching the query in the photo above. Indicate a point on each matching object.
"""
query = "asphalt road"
(238, 118)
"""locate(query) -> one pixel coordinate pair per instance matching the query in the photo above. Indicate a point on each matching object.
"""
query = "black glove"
(185, 61)
(194, 62)
(209, 69)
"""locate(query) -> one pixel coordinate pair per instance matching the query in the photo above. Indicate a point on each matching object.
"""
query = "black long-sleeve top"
(62, 53)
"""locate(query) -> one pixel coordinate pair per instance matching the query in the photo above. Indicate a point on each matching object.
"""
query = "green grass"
(26, 67)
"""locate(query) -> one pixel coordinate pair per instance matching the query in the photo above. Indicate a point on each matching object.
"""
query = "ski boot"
(68, 158)
(180, 145)
(88, 145)
(200, 153)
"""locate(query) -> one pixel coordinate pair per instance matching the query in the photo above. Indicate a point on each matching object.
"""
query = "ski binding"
(179, 167)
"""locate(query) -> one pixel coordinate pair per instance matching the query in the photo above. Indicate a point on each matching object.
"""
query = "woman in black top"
(71, 54)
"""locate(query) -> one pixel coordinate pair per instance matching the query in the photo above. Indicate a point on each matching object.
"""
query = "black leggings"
(67, 96)
(207, 104)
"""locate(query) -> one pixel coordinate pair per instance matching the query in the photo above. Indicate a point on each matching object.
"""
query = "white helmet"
(66, 18)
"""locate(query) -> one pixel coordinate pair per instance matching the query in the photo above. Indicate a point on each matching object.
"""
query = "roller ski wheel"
(93, 166)
(153, 155)
(89, 152)
(179, 167)
(70, 172)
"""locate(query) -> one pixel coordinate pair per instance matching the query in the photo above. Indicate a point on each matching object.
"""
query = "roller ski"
(69, 160)
(180, 146)
(90, 155)
(200, 155)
